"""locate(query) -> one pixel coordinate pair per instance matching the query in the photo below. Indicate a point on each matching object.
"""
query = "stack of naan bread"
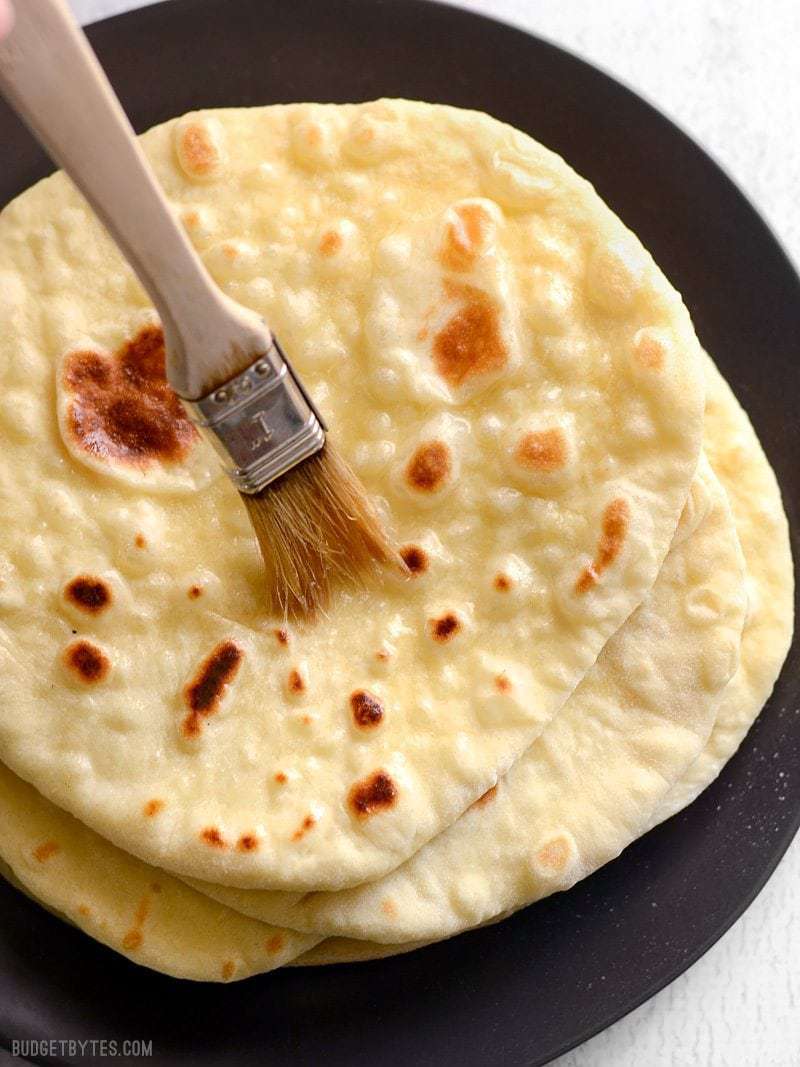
(599, 595)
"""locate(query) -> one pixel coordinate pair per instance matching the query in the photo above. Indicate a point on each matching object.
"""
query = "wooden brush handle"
(51, 76)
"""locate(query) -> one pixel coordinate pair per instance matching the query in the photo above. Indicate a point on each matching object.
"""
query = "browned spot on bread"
(616, 518)
(195, 591)
(228, 969)
(415, 558)
(367, 709)
(247, 843)
(503, 583)
(191, 218)
(230, 251)
(204, 693)
(155, 887)
(470, 343)
(485, 798)
(140, 541)
(373, 794)
(429, 467)
(464, 236)
(87, 369)
(554, 854)
(445, 627)
(503, 683)
(330, 243)
(281, 778)
(122, 408)
(306, 720)
(134, 937)
(383, 655)
(87, 661)
(281, 636)
(649, 352)
(90, 595)
(43, 852)
(84, 910)
(542, 450)
(388, 907)
(212, 836)
(274, 943)
(200, 155)
(295, 682)
(142, 911)
(153, 807)
(307, 824)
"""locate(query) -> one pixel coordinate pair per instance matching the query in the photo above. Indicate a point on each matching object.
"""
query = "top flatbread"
(516, 384)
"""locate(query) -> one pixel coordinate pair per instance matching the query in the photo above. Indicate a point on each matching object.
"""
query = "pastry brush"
(314, 524)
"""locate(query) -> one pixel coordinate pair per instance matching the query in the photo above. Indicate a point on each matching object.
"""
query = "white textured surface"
(726, 70)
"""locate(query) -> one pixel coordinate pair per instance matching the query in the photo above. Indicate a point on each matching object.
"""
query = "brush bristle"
(316, 530)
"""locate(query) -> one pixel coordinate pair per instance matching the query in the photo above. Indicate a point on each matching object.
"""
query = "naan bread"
(150, 917)
(141, 912)
(515, 382)
(588, 786)
(737, 457)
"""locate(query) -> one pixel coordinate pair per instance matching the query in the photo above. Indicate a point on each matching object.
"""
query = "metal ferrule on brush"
(262, 422)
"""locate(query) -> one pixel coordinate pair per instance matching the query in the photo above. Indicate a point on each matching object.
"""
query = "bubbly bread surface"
(588, 785)
(755, 496)
(141, 912)
(512, 378)
(619, 741)
(762, 529)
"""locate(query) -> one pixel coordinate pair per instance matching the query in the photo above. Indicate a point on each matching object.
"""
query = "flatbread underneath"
(141, 912)
(739, 461)
(587, 787)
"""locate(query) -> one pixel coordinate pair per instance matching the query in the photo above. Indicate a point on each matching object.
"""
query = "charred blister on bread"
(88, 594)
(122, 409)
(213, 837)
(119, 416)
(86, 662)
(445, 627)
(415, 558)
(373, 794)
(367, 709)
(204, 693)
(429, 468)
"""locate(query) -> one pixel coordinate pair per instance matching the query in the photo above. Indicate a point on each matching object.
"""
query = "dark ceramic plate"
(532, 987)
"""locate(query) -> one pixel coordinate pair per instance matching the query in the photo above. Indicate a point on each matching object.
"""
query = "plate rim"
(115, 24)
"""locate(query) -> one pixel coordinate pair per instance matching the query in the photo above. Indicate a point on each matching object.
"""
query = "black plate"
(524, 991)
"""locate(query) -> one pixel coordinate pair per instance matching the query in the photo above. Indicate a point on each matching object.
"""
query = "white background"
(729, 72)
